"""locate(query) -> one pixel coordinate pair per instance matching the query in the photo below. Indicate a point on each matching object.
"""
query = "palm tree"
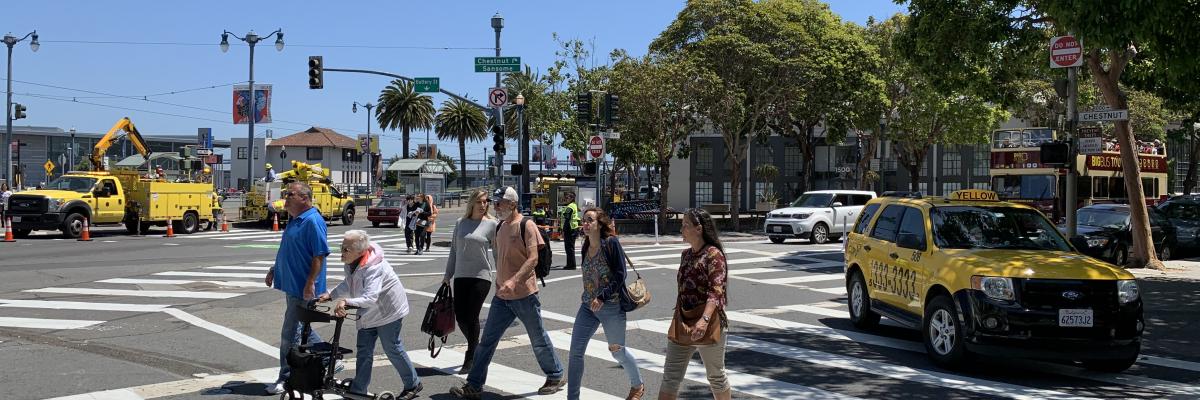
(531, 85)
(461, 121)
(401, 107)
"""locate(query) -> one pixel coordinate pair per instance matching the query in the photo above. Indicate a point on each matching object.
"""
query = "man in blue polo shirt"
(299, 270)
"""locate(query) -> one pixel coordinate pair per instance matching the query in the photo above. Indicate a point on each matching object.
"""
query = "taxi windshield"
(72, 183)
(971, 227)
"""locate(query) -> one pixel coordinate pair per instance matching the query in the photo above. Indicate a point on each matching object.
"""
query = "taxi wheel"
(943, 333)
(860, 303)
(777, 239)
(820, 233)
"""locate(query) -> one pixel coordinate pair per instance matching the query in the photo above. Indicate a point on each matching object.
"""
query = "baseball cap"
(506, 193)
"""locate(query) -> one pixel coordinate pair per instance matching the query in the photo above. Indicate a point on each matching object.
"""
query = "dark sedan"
(388, 211)
(1184, 213)
(1104, 232)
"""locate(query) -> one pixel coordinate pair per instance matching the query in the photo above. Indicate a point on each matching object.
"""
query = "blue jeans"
(289, 335)
(586, 322)
(389, 335)
(500, 316)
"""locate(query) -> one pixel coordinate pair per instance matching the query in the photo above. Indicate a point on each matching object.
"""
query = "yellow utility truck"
(265, 200)
(114, 197)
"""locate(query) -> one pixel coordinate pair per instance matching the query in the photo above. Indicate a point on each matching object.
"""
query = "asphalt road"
(188, 317)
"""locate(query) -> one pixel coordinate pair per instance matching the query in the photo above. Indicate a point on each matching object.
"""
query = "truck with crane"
(264, 201)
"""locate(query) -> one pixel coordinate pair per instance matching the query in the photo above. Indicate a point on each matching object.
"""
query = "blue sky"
(394, 36)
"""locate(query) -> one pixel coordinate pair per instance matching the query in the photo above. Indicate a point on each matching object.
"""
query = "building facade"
(337, 152)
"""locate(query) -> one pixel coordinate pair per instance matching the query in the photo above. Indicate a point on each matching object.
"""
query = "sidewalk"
(1185, 269)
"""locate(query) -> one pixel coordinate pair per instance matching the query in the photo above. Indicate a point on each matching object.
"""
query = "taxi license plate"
(1079, 318)
(777, 228)
(16, 219)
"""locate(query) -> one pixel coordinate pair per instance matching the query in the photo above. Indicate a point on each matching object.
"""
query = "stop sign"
(596, 146)
(1065, 51)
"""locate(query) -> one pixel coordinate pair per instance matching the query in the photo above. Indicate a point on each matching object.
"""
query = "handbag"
(636, 295)
(439, 319)
(684, 323)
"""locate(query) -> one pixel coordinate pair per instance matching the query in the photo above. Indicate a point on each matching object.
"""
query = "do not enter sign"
(1065, 51)
(596, 146)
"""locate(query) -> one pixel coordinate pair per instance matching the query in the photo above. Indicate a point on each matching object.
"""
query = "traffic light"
(589, 168)
(583, 108)
(1056, 153)
(316, 72)
(516, 169)
(612, 109)
(498, 138)
(18, 111)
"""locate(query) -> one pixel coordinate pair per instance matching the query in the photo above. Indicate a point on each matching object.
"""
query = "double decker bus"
(1018, 174)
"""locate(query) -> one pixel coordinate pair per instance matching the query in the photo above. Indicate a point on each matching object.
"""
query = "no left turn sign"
(497, 97)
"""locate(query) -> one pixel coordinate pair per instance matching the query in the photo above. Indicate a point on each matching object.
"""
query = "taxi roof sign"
(974, 195)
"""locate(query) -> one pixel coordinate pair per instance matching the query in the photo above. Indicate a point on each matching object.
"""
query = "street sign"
(1110, 115)
(427, 85)
(497, 64)
(596, 146)
(497, 97)
(49, 165)
(1085, 131)
(1091, 145)
(1065, 51)
(611, 135)
(203, 152)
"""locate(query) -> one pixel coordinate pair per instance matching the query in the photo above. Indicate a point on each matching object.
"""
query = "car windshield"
(970, 227)
(814, 200)
(1184, 211)
(72, 183)
(1102, 218)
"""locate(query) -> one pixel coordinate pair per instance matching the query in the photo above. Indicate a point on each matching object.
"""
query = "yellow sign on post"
(49, 167)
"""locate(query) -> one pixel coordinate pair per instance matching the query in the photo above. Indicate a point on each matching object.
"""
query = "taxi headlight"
(995, 287)
(801, 216)
(1097, 242)
(1127, 291)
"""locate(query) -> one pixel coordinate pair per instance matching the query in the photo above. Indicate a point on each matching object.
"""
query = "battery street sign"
(497, 64)
(596, 146)
(1065, 51)
(1108, 115)
(427, 85)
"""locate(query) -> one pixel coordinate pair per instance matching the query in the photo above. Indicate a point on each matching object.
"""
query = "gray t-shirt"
(469, 247)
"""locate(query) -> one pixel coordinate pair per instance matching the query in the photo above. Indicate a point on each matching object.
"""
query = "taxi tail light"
(995, 287)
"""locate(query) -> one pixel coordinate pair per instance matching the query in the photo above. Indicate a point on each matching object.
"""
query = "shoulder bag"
(684, 322)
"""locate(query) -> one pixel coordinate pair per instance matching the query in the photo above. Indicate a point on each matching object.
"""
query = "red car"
(388, 211)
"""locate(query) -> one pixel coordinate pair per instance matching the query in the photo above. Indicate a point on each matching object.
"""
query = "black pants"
(569, 245)
(408, 238)
(420, 234)
(428, 239)
(469, 295)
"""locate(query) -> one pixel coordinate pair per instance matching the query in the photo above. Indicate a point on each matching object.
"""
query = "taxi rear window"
(967, 227)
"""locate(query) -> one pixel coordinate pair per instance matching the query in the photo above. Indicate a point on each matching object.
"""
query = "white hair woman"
(373, 287)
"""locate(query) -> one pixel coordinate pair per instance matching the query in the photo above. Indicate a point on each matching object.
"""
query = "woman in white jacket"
(372, 285)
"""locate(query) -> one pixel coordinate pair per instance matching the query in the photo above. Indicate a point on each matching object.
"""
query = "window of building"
(704, 160)
(792, 162)
(763, 189)
(726, 193)
(256, 152)
(950, 187)
(923, 187)
(983, 158)
(981, 185)
(951, 162)
(703, 193)
(764, 155)
(241, 153)
(315, 153)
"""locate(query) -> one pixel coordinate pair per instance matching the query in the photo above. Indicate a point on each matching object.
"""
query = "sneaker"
(466, 367)
(551, 386)
(339, 366)
(466, 392)
(275, 388)
(636, 393)
(409, 394)
(418, 252)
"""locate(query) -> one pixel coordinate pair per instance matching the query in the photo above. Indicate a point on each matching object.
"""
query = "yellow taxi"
(979, 276)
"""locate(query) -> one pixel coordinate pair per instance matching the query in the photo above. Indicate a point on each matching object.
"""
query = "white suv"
(818, 215)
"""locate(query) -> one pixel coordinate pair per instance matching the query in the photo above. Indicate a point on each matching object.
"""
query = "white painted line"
(828, 312)
(245, 284)
(569, 277)
(654, 249)
(240, 268)
(210, 234)
(247, 236)
(806, 278)
(173, 388)
(138, 293)
(740, 381)
(675, 255)
(1170, 363)
(114, 241)
(422, 274)
(271, 262)
(246, 340)
(393, 261)
(841, 291)
(506, 379)
(227, 274)
(173, 244)
(44, 323)
(79, 305)
(927, 377)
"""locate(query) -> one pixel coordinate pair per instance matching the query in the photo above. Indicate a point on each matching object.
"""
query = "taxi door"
(878, 249)
(911, 275)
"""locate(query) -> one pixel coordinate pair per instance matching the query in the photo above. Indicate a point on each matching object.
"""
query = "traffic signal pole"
(1072, 177)
(498, 24)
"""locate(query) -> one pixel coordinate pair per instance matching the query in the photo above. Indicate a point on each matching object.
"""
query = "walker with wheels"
(313, 364)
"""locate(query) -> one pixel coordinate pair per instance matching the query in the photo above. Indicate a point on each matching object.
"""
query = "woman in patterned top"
(603, 286)
(702, 282)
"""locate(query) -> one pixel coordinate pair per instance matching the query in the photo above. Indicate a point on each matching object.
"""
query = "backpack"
(545, 255)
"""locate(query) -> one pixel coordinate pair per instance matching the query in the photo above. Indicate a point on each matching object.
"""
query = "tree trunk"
(404, 136)
(1189, 180)
(664, 175)
(864, 162)
(462, 161)
(807, 153)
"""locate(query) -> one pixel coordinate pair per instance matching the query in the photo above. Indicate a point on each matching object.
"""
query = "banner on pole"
(241, 104)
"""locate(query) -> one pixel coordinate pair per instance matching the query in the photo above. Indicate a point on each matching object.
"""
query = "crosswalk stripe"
(79, 305)
(750, 271)
(825, 312)
(129, 281)
(390, 260)
(656, 248)
(231, 232)
(272, 262)
(839, 290)
(500, 377)
(225, 274)
(805, 279)
(933, 378)
(137, 293)
(45, 323)
(240, 268)
(676, 255)
(244, 235)
(740, 381)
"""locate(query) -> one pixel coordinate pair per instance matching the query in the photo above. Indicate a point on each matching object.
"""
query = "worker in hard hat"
(270, 174)
(205, 175)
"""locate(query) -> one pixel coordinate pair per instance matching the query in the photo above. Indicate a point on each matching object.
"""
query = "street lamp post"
(370, 161)
(251, 39)
(10, 41)
(523, 152)
(71, 152)
(498, 24)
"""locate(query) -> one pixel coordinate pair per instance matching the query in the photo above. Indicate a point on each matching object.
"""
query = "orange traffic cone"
(87, 232)
(224, 224)
(8, 236)
(170, 229)
(274, 222)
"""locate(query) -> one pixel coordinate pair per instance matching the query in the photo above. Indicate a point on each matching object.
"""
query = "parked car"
(1184, 214)
(388, 211)
(817, 216)
(1103, 232)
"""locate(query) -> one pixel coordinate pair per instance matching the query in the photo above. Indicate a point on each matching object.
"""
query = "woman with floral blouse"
(702, 280)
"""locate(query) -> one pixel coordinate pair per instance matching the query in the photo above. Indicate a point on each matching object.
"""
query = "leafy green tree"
(401, 107)
(462, 122)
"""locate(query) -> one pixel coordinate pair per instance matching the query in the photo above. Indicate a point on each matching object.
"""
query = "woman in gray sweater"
(471, 268)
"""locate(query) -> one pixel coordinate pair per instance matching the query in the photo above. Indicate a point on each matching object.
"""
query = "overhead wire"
(301, 45)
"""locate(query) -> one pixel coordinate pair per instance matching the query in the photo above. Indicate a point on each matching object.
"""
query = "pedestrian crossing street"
(775, 352)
